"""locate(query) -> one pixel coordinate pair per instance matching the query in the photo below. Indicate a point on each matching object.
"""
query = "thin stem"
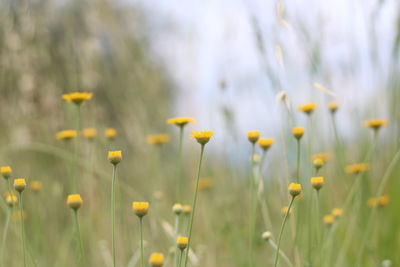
(252, 206)
(281, 232)
(281, 253)
(114, 175)
(179, 184)
(194, 205)
(319, 234)
(180, 258)
(79, 237)
(21, 208)
(176, 236)
(141, 241)
(298, 162)
(5, 231)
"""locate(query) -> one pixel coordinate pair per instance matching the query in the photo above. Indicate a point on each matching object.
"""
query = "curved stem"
(5, 231)
(281, 253)
(194, 205)
(281, 232)
(113, 213)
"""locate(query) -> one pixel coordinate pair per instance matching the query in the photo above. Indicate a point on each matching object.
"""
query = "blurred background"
(228, 63)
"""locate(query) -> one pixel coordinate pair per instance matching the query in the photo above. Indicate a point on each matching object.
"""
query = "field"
(101, 168)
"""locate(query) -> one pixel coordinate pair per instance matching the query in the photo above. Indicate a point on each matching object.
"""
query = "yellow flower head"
(294, 189)
(115, 157)
(322, 156)
(376, 124)
(298, 132)
(156, 259)
(337, 212)
(74, 201)
(77, 97)
(187, 209)
(110, 133)
(6, 171)
(140, 208)
(177, 208)
(317, 182)
(158, 139)
(318, 163)
(89, 133)
(358, 168)
(266, 143)
(11, 199)
(328, 220)
(308, 108)
(285, 210)
(333, 106)
(383, 201)
(253, 136)
(202, 137)
(205, 183)
(19, 184)
(66, 135)
(36, 186)
(182, 242)
(180, 121)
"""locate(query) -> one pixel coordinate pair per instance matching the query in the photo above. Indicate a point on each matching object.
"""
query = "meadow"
(98, 169)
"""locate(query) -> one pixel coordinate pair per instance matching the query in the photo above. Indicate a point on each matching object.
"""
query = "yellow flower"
(333, 106)
(253, 136)
(205, 183)
(322, 156)
(6, 171)
(140, 208)
(357, 168)
(19, 184)
(376, 123)
(328, 220)
(266, 143)
(187, 209)
(337, 212)
(36, 186)
(115, 157)
(318, 163)
(308, 108)
(74, 201)
(317, 182)
(77, 97)
(180, 121)
(89, 133)
(177, 208)
(11, 199)
(156, 259)
(66, 135)
(298, 132)
(383, 201)
(110, 133)
(158, 139)
(202, 137)
(182, 242)
(294, 189)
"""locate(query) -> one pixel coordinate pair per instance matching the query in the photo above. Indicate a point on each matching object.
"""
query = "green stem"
(298, 162)
(252, 206)
(179, 184)
(180, 258)
(281, 253)
(319, 234)
(141, 241)
(176, 236)
(114, 175)
(281, 232)
(194, 205)
(79, 237)
(5, 231)
(21, 208)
